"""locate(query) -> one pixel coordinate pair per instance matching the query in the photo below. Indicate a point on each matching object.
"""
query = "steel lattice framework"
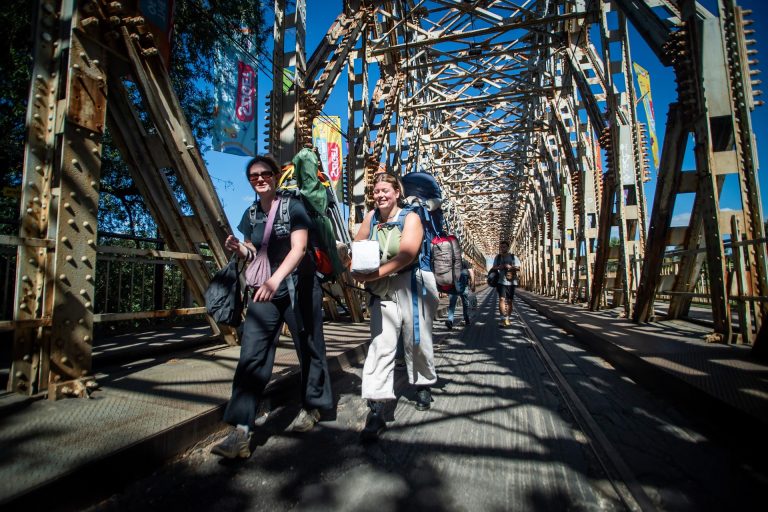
(523, 111)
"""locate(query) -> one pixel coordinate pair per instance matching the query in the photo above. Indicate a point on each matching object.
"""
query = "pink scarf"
(259, 270)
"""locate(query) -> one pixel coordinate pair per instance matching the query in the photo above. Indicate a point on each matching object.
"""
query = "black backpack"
(224, 297)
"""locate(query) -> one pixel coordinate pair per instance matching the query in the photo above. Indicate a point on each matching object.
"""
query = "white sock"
(244, 428)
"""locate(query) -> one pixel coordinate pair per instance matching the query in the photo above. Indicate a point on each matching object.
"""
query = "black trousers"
(261, 331)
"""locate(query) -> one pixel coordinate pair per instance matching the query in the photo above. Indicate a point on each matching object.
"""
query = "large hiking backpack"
(304, 180)
(441, 252)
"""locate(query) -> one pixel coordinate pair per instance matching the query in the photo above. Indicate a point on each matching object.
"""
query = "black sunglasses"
(263, 174)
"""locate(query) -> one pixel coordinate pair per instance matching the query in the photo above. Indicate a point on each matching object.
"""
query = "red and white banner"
(234, 124)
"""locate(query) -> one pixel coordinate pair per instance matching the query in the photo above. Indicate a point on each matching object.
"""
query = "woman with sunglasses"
(404, 306)
(292, 294)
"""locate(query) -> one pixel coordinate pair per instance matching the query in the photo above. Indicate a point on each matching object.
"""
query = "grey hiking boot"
(305, 421)
(374, 423)
(236, 444)
(423, 399)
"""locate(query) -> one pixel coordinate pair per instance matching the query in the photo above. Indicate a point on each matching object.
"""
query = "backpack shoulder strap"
(285, 214)
(401, 218)
(252, 215)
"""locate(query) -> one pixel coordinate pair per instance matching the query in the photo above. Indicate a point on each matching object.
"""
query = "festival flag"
(234, 124)
(326, 137)
(159, 17)
(644, 82)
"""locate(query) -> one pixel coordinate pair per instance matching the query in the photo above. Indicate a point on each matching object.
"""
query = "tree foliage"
(15, 71)
(198, 26)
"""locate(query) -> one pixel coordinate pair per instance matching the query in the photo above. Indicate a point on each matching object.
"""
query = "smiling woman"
(397, 284)
(283, 288)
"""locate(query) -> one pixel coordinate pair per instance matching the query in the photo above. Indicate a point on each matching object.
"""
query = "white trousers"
(390, 319)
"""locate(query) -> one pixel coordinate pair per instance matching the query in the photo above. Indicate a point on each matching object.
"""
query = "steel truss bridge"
(524, 111)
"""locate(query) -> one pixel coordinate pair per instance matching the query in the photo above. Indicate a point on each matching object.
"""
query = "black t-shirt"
(280, 239)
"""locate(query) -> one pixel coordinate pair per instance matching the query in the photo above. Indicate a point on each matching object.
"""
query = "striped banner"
(644, 82)
(326, 137)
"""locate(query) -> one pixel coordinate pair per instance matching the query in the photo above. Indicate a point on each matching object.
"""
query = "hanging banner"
(326, 137)
(234, 123)
(159, 17)
(644, 82)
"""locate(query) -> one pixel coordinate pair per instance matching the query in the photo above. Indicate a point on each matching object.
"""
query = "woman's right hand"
(232, 244)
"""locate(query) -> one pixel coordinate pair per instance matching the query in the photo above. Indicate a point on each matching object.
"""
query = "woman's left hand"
(265, 292)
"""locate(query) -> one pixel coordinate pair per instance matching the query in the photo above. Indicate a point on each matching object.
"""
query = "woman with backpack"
(402, 302)
(282, 288)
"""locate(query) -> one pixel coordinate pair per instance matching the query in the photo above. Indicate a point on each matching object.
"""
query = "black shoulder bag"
(224, 296)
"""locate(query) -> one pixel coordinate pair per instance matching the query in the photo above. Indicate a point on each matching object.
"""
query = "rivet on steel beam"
(88, 305)
(26, 357)
(36, 200)
(81, 321)
(31, 261)
(25, 278)
(71, 222)
(95, 151)
(64, 359)
(86, 224)
(83, 258)
(39, 168)
(75, 66)
(83, 291)
(82, 55)
(74, 161)
(86, 338)
(62, 277)
(24, 306)
(90, 241)
(89, 278)
(30, 211)
(93, 184)
(19, 374)
(66, 204)
(69, 258)
(96, 62)
(36, 116)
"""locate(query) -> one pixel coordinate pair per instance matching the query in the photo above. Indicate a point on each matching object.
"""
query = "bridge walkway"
(150, 411)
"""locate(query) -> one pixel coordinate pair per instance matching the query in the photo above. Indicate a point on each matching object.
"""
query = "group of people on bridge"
(403, 305)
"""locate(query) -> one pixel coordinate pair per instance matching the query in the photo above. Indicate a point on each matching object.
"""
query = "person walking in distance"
(508, 266)
(403, 299)
(291, 294)
(465, 284)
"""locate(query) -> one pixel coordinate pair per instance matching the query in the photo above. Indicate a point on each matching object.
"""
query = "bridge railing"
(137, 284)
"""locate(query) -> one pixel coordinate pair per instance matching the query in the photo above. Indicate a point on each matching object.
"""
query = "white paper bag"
(365, 256)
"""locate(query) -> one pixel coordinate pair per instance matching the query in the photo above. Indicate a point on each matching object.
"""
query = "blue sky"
(235, 193)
